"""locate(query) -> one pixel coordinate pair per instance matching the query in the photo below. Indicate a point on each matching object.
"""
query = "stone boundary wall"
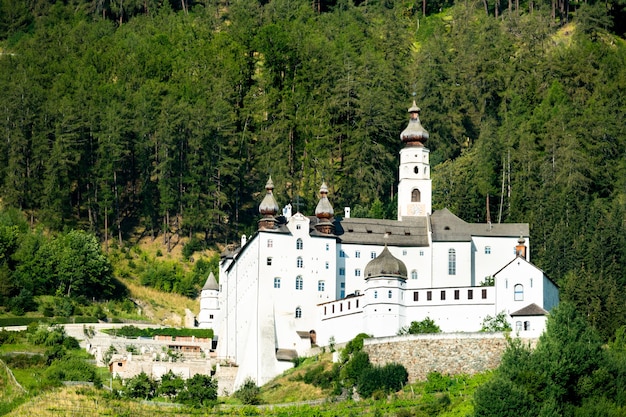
(446, 353)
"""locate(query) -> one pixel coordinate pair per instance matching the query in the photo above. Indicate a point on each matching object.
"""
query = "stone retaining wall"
(446, 353)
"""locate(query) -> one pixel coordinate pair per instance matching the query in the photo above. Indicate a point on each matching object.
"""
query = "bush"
(190, 247)
(425, 326)
(249, 393)
(200, 390)
(499, 323)
(389, 378)
(140, 386)
(72, 369)
(435, 382)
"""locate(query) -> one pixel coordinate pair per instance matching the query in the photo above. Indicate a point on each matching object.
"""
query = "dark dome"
(386, 265)
(414, 134)
(269, 206)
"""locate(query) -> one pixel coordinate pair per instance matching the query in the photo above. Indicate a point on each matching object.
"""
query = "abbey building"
(304, 280)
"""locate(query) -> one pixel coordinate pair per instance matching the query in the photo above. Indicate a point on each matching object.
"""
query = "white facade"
(301, 280)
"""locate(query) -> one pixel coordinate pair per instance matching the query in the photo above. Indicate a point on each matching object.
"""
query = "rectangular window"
(324, 310)
(357, 303)
(340, 307)
(333, 309)
(416, 296)
(421, 253)
(470, 294)
(327, 246)
(348, 305)
(372, 255)
(456, 294)
(276, 282)
(404, 253)
(443, 295)
(487, 250)
(327, 265)
(357, 272)
(342, 254)
(429, 295)
(298, 226)
(342, 271)
(357, 254)
(270, 243)
(211, 316)
(484, 294)
(321, 285)
(269, 261)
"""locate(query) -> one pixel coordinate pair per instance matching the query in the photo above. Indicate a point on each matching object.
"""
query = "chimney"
(346, 211)
(520, 249)
(243, 240)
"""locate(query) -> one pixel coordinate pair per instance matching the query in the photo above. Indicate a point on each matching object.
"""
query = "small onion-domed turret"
(324, 212)
(414, 134)
(268, 207)
(385, 265)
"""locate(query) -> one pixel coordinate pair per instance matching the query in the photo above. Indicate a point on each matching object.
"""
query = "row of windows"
(321, 284)
(348, 306)
(389, 294)
(357, 254)
(457, 295)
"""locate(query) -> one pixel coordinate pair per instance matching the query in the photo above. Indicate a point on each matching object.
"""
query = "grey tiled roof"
(413, 232)
(286, 354)
(449, 228)
(211, 283)
(530, 310)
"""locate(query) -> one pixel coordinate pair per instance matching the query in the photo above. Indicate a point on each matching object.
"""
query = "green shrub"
(72, 369)
(199, 390)
(435, 382)
(389, 378)
(249, 393)
(141, 386)
(192, 246)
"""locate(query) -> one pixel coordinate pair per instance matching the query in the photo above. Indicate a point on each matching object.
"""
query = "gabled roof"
(447, 227)
(286, 354)
(521, 258)
(408, 232)
(530, 310)
(211, 283)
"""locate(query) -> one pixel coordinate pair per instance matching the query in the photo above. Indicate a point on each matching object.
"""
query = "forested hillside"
(168, 117)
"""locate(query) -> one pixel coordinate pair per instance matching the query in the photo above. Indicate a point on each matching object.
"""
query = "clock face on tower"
(415, 209)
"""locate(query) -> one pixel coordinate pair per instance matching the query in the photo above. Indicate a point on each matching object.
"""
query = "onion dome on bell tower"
(324, 212)
(268, 207)
(414, 134)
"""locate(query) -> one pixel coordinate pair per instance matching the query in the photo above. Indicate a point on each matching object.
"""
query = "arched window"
(416, 170)
(415, 196)
(518, 326)
(300, 262)
(451, 262)
(518, 292)
(414, 274)
(298, 312)
(299, 244)
(299, 282)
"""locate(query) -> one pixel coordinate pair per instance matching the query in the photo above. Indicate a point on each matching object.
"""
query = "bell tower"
(414, 188)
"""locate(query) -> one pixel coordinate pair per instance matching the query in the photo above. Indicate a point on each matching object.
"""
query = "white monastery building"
(310, 280)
